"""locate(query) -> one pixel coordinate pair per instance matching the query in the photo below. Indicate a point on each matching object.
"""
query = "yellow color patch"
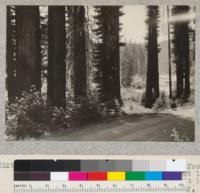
(118, 176)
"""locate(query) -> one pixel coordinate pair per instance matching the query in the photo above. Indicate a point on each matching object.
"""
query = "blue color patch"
(153, 176)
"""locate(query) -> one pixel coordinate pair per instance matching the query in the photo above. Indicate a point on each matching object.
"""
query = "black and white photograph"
(100, 73)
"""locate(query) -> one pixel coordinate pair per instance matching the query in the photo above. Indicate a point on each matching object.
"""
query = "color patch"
(172, 175)
(70, 165)
(59, 176)
(40, 176)
(106, 165)
(135, 176)
(22, 176)
(153, 176)
(40, 165)
(140, 165)
(123, 165)
(157, 165)
(116, 176)
(89, 165)
(97, 176)
(176, 165)
(77, 176)
(22, 165)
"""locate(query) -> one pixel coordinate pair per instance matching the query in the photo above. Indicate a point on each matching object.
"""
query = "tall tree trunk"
(178, 41)
(187, 62)
(107, 53)
(79, 52)
(111, 72)
(28, 56)
(182, 52)
(56, 57)
(70, 52)
(80, 79)
(88, 46)
(152, 82)
(107, 46)
(10, 58)
(116, 53)
(169, 56)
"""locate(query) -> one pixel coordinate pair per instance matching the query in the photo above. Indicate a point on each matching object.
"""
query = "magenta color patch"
(77, 176)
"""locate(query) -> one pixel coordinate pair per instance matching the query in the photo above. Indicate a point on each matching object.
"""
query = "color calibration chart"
(81, 176)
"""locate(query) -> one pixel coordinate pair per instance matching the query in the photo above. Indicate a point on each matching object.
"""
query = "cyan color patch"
(153, 176)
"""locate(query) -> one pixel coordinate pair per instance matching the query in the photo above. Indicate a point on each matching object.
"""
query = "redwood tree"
(77, 17)
(169, 53)
(10, 54)
(28, 57)
(107, 59)
(152, 81)
(181, 52)
(56, 77)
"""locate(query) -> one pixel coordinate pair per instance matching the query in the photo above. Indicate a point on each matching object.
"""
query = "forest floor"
(172, 126)
(139, 123)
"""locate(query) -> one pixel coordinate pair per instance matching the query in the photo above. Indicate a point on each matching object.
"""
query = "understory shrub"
(161, 103)
(59, 118)
(91, 109)
(31, 117)
(27, 117)
(84, 112)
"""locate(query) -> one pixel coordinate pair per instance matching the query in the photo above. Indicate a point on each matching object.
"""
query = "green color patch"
(135, 175)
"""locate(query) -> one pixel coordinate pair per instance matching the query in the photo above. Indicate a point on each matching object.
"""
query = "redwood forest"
(100, 73)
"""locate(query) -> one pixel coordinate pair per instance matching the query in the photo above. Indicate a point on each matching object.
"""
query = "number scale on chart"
(101, 187)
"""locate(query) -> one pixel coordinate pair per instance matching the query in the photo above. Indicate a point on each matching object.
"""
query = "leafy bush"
(27, 117)
(31, 117)
(85, 111)
(161, 103)
(60, 118)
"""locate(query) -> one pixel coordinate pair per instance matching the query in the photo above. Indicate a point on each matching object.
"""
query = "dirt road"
(152, 127)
